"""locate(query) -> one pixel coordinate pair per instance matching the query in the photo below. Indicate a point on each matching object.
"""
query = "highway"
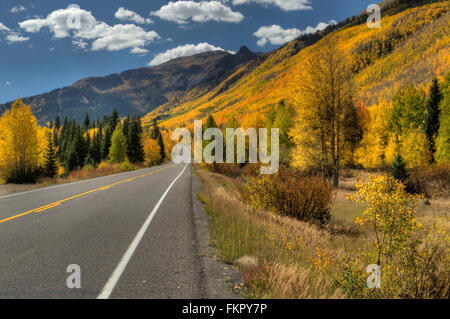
(131, 234)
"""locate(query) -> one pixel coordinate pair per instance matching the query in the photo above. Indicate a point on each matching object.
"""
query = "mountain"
(136, 91)
(411, 46)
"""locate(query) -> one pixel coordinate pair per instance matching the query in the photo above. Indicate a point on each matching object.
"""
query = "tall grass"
(283, 257)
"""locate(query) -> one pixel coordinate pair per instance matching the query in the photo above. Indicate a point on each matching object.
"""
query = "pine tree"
(57, 123)
(118, 150)
(87, 122)
(80, 147)
(95, 151)
(398, 169)
(155, 134)
(210, 123)
(135, 149)
(126, 126)
(114, 120)
(432, 116)
(106, 143)
(51, 166)
(161, 147)
(71, 158)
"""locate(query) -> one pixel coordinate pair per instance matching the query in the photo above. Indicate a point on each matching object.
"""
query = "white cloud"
(276, 35)
(182, 12)
(82, 26)
(128, 15)
(14, 37)
(285, 5)
(183, 50)
(3, 27)
(33, 25)
(139, 51)
(119, 37)
(18, 8)
(8, 83)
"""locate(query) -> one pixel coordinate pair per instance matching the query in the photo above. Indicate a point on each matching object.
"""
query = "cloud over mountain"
(82, 26)
(276, 35)
(183, 50)
(182, 12)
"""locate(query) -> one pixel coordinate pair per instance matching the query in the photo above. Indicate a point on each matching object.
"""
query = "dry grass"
(282, 257)
(302, 255)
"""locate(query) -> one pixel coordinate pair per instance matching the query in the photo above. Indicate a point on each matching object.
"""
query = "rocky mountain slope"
(136, 91)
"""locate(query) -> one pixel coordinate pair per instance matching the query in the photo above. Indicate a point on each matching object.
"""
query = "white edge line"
(74, 183)
(112, 281)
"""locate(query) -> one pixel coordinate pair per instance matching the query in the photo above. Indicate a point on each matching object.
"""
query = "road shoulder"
(218, 278)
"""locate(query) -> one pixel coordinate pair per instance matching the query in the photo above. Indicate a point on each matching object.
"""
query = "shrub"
(293, 193)
(127, 166)
(414, 261)
(230, 170)
(430, 181)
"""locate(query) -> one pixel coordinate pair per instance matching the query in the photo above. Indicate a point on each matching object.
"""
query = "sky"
(47, 44)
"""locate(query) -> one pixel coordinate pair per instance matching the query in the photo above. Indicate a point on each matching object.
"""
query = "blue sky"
(41, 51)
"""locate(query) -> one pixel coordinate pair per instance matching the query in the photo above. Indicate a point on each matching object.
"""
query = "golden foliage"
(22, 143)
(152, 151)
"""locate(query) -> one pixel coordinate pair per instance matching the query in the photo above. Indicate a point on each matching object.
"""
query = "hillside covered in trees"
(410, 48)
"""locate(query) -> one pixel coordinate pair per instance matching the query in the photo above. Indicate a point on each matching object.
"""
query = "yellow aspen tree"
(152, 151)
(19, 144)
(325, 95)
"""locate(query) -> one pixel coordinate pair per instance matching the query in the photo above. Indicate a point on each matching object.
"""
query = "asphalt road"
(132, 236)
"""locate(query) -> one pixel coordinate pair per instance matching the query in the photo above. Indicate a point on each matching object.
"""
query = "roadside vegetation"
(311, 230)
(68, 151)
(285, 255)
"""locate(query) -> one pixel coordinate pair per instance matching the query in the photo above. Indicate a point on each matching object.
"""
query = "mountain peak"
(244, 50)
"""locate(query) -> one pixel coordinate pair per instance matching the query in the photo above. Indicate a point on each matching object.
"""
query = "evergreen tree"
(135, 149)
(155, 134)
(114, 120)
(106, 143)
(126, 126)
(210, 123)
(87, 122)
(51, 166)
(161, 147)
(398, 169)
(80, 147)
(432, 116)
(71, 158)
(57, 123)
(95, 151)
(118, 150)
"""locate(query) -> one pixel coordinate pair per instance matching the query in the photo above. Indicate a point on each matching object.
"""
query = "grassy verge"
(281, 257)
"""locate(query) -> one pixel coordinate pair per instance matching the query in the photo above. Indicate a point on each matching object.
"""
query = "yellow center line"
(58, 203)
